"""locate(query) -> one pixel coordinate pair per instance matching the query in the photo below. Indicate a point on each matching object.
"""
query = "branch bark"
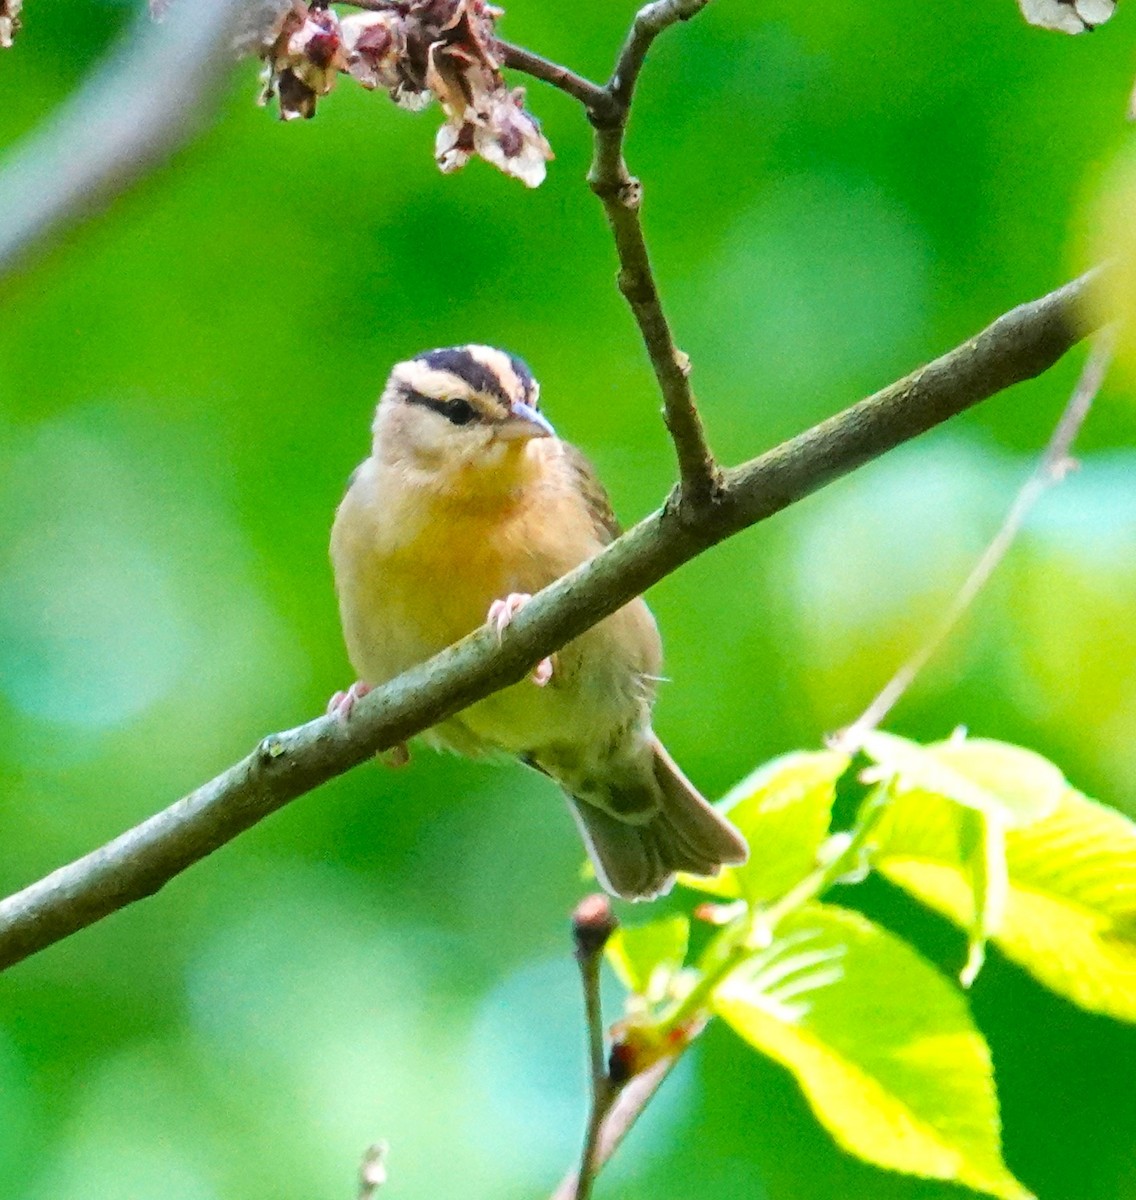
(617, 1122)
(596, 99)
(1018, 346)
(621, 194)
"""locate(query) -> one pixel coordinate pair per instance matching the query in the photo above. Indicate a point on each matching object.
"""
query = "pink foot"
(341, 704)
(501, 613)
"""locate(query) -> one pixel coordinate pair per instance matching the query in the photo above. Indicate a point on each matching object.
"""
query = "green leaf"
(1070, 908)
(646, 957)
(783, 809)
(1005, 781)
(882, 1045)
(990, 886)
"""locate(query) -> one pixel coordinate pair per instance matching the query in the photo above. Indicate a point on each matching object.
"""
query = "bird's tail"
(638, 861)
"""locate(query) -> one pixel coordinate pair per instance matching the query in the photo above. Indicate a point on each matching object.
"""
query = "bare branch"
(1018, 346)
(1052, 467)
(618, 1120)
(621, 196)
(137, 109)
(592, 924)
(597, 100)
(649, 22)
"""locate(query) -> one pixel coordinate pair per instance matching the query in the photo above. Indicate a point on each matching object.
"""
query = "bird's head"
(458, 408)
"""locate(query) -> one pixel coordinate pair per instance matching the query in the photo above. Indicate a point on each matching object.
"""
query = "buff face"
(459, 406)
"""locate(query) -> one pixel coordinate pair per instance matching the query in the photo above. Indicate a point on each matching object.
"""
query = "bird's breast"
(414, 576)
(416, 573)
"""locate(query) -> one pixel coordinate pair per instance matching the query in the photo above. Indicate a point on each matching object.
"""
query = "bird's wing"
(595, 495)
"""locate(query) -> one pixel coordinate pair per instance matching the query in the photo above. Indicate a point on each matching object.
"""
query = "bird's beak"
(523, 422)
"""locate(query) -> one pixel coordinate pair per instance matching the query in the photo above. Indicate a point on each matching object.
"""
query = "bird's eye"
(460, 412)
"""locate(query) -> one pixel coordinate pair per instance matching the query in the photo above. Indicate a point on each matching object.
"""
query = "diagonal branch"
(1019, 345)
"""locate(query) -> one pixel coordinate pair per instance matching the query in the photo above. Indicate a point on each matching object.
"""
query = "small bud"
(638, 1044)
(621, 1063)
(720, 914)
(593, 923)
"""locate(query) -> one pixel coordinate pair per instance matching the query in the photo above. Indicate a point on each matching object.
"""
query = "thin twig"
(596, 99)
(593, 923)
(649, 22)
(617, 1122)
(1018, 346)
(148, 100)
(603, 1100)
(593, 1017)
(1052, 467)
(621, 195)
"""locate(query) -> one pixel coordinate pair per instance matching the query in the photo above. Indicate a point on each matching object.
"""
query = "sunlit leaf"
(1070, 911)
(783, 809)
(645, 957)
(990, 885)
(1015, 785)
(881, 1044)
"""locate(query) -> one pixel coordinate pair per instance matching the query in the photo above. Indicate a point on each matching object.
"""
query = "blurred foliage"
(834, 193)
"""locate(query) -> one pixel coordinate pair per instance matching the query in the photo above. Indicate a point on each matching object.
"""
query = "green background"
(835, 193)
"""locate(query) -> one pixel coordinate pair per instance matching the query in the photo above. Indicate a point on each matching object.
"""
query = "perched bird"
(467, 505)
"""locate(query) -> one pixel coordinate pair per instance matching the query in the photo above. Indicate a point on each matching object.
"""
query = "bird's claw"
(341, 704)
(501, 614)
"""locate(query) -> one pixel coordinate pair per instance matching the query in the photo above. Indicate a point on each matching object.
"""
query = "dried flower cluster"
(303, 56)
(416, 51)
(9, 20)
(1067, 16)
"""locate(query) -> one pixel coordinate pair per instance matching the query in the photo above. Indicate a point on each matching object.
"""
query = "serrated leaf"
(881, 1044)
(1013, 784)
(646, 957)
(1070, 912)
(783, 810)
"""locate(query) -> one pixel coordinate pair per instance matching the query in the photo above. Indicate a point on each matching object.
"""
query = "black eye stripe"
(458, 361)
(458, 412)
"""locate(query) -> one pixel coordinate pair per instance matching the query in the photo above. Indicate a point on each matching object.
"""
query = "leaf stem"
(1052, 467)
(757, 927)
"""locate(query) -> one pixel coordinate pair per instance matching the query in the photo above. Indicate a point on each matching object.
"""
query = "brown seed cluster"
(417, 51)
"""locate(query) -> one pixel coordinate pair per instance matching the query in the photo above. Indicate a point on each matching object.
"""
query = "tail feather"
(639, 861)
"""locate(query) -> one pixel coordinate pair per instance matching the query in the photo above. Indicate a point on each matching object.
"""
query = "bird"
(469, 504)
